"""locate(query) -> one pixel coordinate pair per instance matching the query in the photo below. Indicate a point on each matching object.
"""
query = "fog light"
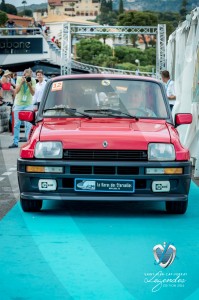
(154, 170)
(160, 186)
(47, 184)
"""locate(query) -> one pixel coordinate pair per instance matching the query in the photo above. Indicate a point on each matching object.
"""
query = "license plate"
(104, 185)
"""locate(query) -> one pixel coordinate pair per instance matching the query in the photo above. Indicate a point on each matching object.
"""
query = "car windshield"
(96, 97)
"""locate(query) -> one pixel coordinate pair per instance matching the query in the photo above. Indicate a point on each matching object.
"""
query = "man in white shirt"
(170, 88)
(39, 89)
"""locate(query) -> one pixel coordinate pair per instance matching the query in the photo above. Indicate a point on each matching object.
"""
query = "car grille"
(106, 155)
(104, 170)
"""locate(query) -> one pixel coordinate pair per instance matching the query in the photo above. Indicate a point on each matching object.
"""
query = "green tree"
(94, 52)
(26, 12)
(126, 54)
(168, 16)
(169, 27)
(3, 6)
(110, 4)
(3, 18)
(8, 8)
(183, 9)
(107, 15)
(121, 7)
(11, 9)
(103, 8)
(24, 2)
(137, 18)
(110, 18)
(171, 19)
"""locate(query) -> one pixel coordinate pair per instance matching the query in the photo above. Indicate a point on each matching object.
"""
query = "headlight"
(49, 150)
(161, 152)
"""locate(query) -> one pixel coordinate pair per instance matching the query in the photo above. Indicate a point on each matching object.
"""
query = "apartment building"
(74, 8)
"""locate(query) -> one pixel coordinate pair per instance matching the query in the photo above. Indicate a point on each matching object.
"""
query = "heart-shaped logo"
(164, 255)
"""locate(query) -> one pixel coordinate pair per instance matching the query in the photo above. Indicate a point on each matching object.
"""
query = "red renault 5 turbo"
(104, 137)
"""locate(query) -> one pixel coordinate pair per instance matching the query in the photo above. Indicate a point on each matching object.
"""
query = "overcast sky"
(18, 2)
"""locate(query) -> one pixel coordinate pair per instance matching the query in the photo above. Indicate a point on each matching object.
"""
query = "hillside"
(152, 5)
(33, 7)
(155, 5)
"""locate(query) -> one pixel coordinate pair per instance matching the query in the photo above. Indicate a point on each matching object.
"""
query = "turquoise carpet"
(99, 251)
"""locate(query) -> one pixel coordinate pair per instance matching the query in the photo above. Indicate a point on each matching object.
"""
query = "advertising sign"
(21, 46)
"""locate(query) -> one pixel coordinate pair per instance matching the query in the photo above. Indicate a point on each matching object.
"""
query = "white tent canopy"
(183, 64)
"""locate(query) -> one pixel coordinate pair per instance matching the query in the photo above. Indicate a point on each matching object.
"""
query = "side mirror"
(181, 119)
(27, 116)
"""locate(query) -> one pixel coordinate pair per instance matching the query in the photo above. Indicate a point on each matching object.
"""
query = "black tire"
(176, 207)
(31, 205)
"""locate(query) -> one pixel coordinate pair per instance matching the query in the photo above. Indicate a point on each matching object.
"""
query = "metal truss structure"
(67, 63)
(161, 53)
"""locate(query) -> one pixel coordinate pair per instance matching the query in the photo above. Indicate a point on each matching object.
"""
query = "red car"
(104, 137)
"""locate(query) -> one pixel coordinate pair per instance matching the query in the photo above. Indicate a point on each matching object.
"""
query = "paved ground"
(195, 180)
(90, 251)
(9, 192)
(93, 251)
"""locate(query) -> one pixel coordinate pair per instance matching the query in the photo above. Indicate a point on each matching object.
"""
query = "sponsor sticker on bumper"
(104, 185)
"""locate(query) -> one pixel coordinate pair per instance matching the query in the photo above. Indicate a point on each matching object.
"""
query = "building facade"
(73, 8)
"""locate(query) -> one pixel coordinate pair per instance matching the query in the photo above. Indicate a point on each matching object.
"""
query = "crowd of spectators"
(16, 29)
(21, 93)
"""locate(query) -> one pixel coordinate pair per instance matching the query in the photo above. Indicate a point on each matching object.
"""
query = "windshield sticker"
(106, 82)
(57, 86)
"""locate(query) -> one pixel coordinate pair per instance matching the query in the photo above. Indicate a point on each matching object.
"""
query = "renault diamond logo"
(105, 144)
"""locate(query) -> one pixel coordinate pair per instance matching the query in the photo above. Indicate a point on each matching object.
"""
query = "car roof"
(105, 76)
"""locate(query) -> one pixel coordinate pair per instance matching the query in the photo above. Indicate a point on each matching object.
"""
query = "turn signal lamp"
(168, 171)
(42, 169)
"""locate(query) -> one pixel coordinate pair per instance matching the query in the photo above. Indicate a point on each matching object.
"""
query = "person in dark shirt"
(11, 24)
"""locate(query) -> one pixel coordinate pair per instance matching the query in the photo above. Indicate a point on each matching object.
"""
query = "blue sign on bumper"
(104, 185)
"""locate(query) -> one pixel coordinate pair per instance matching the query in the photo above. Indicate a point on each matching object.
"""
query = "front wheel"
(176, 207)
(31, 205)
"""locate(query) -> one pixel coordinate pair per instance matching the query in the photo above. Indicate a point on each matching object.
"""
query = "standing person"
(170, 88)
(7, 93)
(7, 87)
(14, 78)
(39, 25)
(39, 89)
(25, 89)
(137, 72)
(11, 24)
(1, 72)
(43, 27)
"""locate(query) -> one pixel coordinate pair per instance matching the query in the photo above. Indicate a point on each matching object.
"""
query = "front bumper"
(91, 170)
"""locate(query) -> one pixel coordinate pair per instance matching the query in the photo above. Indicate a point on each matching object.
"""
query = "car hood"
(91, 134)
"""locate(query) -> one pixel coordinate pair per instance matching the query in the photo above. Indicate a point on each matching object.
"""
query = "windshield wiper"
(111, 112)
(70, 111)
